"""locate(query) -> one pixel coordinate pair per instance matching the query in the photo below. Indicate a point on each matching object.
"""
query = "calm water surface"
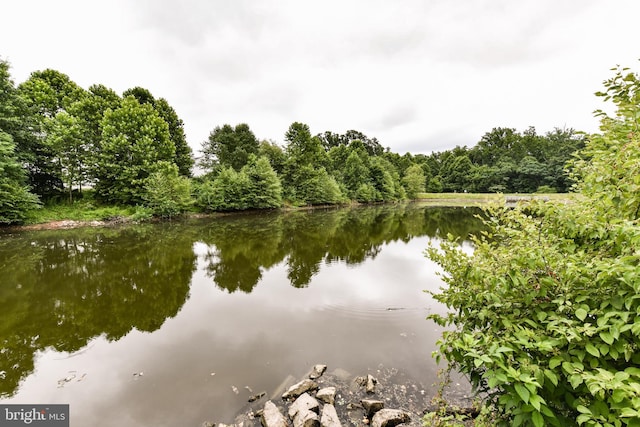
(157, 324)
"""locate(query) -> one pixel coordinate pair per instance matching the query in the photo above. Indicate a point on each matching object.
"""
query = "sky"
(419, 75)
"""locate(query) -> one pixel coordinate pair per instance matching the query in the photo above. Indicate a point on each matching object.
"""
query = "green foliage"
(166, 193)
(413, 181)
(68, 150)
(134, 139)
(545, 313)
(227, 192)
(45, 94)
(264, 190)
(228, 147)
(15, 199)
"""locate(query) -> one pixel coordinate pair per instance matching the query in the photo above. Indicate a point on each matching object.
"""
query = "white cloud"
(418, 75)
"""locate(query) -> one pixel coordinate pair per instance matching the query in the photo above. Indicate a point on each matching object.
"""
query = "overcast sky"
(421, 76)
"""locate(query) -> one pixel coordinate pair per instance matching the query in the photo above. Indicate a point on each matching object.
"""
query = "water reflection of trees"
(242, 247)
(61, 289)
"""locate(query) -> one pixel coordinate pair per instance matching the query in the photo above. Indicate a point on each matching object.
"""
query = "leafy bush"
(545, 313)
(166, 193)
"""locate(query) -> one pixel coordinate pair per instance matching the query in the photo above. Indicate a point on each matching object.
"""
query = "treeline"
(57, 139)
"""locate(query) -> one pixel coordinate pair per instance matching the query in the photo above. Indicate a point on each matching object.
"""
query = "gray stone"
(272, 417)
(371, 406)
(306, 419)
(327, 395)
(299, 388)
(371, 383)
(304, 403)
(317, 371)
(329, 417)
(389, 418)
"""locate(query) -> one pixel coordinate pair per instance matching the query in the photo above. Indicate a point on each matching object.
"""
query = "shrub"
(546, 311)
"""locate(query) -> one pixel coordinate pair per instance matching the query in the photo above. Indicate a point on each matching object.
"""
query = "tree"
(65, 139)
(167, 193)
(456, 173)
(45, 94)
(183, 157)
(355, 174)
(15, 199)
(414, 181)
(545, 314)
(228, 147)
(88, 113)
(274, 153)
(134, 139)
(226, 192)
(264, 190)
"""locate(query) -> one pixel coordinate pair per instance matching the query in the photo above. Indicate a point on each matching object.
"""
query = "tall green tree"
(183, 154)
(134, 139)
(88, 112)
(70, 154)
(228, 146)
(46, 93)
(414, 181)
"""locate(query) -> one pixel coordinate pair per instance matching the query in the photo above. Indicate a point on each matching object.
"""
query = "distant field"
(472, 199)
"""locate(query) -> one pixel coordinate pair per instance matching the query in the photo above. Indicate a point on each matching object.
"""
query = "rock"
(329, 417)
(299, 388)
(371, 406)
(306, 419)
(208, 424)
(389, 418)
(272, 417)
(371, 383)
(304, 403)
(317, 372)
(327, 395)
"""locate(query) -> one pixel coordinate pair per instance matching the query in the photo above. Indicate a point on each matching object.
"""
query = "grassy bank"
(87, 209)
(478, 199)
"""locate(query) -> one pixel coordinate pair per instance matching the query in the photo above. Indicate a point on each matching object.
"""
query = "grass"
(85, 209)
(476, 199)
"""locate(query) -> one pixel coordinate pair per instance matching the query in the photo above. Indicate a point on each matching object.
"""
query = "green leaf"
(581, 313)
(538, 420)
(592, 350)
(552, 376)
(583, 409)
(606, 337)
(523, 392)
(555, 362)
(628, 412)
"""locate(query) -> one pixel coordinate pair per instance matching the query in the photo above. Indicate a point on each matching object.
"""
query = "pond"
(178, 323)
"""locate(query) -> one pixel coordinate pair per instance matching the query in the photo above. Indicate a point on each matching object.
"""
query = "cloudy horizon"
(420, 76)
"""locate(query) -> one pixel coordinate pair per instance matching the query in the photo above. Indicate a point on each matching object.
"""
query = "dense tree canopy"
(134, 140)
(228, 146)
(68, 139)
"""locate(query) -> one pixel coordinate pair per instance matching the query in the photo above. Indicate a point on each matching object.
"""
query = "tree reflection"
(61, 289)
(240, 248)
